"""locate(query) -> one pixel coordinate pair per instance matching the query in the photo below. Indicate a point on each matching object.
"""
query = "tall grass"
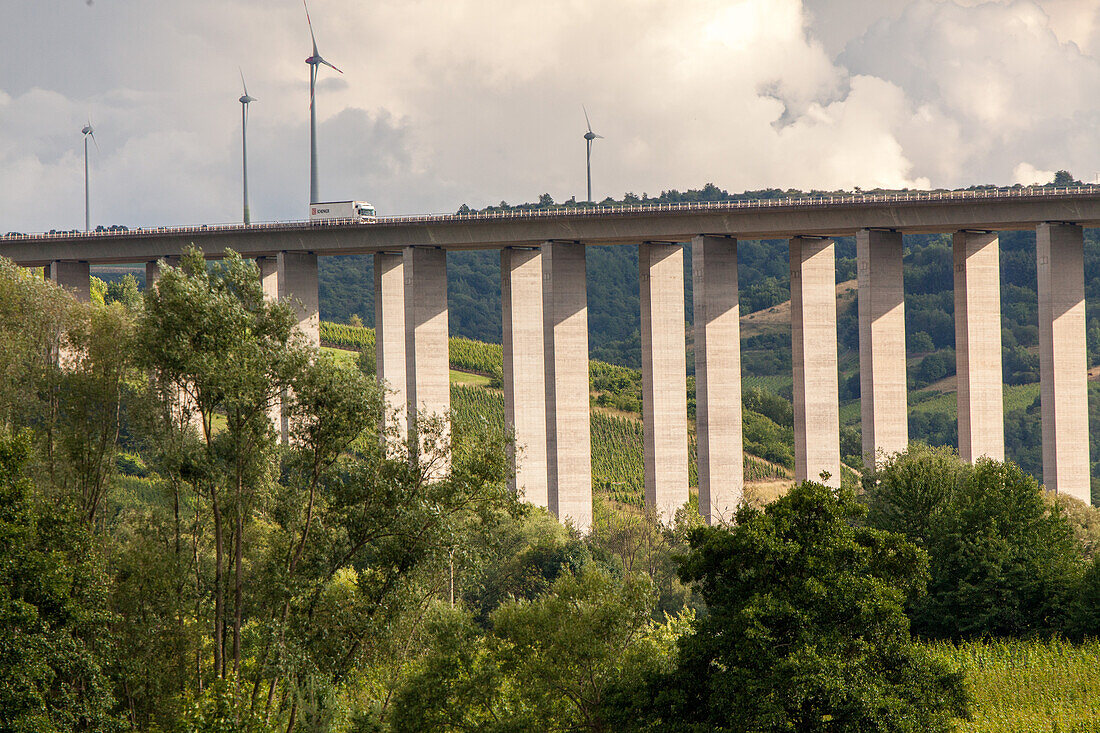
(1029, 686)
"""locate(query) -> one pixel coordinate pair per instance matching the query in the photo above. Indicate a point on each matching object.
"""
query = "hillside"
(617, 439)
(474, 293)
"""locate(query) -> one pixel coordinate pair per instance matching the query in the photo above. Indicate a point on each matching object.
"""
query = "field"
(1015, 398)
(1029, 686)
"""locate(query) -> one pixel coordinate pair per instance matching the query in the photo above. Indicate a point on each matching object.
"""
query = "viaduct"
(545, 324)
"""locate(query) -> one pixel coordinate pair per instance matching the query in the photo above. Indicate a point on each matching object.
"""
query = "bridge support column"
(389, 337)
(427, 361)
(978, 345)
(74, 277)
(568, 423)
(152, 269)
(717, 377)
(269, 282)
(1063, 362)
(882, 379)
(813, 341)
(664, 376)
(269, 277)
(524, 369)
(298, 284)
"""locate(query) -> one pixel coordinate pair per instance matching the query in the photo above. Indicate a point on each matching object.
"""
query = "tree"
(1003, 560)
(97, 364)
(1064, 179)
(910, 491)
(33, 318)
(54, 624)
(209, 335)
(548, 664)
(805, 629)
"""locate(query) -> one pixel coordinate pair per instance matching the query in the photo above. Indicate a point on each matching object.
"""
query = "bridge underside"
(546, 336)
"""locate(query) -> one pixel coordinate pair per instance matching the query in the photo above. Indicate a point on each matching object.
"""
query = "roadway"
(910, 212)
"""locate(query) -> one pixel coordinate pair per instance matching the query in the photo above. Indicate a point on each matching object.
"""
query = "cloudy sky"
(445, 102)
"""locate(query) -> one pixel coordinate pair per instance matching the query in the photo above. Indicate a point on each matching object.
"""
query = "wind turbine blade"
(582, 107)
(313, 37)
(242, 81)
(326, 63)
(598, 137)
(92, 135)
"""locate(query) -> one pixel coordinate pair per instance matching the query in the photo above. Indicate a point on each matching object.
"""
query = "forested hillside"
(474, 293)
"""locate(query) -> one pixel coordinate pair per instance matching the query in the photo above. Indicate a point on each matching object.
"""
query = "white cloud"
(445, 102)
(1027, 174)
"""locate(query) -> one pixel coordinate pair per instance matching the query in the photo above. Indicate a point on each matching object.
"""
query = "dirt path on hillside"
(778, 316)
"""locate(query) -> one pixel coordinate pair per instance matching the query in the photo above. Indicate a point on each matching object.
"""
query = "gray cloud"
(445, 102)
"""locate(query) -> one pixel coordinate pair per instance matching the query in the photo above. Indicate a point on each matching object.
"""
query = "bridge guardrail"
(583, 211)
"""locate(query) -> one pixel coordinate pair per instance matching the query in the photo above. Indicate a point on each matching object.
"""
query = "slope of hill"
(474, 293)
(617, 439)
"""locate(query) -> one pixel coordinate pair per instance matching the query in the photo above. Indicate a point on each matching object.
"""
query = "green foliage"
(34, 316)
(54, 618)
(618, 458)
(547, 664)
(223, 708)
(631, 542)
(1084, 614)
(475, 356)
(465, 354)
(1027, 686)
(911, 491)
(805, 629)
(1003, 561)
(520, 561)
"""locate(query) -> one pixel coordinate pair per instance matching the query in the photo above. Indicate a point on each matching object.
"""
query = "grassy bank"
(1029, 686)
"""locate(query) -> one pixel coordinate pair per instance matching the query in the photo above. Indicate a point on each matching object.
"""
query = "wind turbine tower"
(89, 132)
(588, 138)
(244, 100)
(314, 61)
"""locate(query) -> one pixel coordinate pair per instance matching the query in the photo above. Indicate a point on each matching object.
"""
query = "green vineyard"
(618, 448)
(466, 355)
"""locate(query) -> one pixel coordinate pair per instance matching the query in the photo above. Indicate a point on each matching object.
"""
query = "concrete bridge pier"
(523, 344)
(664, 375)
(269, 277)
(1063, 363)
(717, 377)
(882, 379)
(153, 271)
(390, 336)
(298, 285)
(568, 424)
(269, 282)
(813, 340)
(73, 276)
(978, 345)
(427, 360)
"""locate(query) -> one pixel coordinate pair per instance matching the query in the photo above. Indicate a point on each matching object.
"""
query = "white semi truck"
(357, 211)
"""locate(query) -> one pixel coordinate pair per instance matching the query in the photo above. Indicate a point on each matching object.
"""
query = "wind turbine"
(88, 132)
(588, 138)
(314, 61)
(244, 100)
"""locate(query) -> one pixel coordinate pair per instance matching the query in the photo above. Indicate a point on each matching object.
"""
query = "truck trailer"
(331, 211)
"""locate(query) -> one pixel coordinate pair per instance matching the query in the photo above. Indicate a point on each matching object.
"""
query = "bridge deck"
(913, 212)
